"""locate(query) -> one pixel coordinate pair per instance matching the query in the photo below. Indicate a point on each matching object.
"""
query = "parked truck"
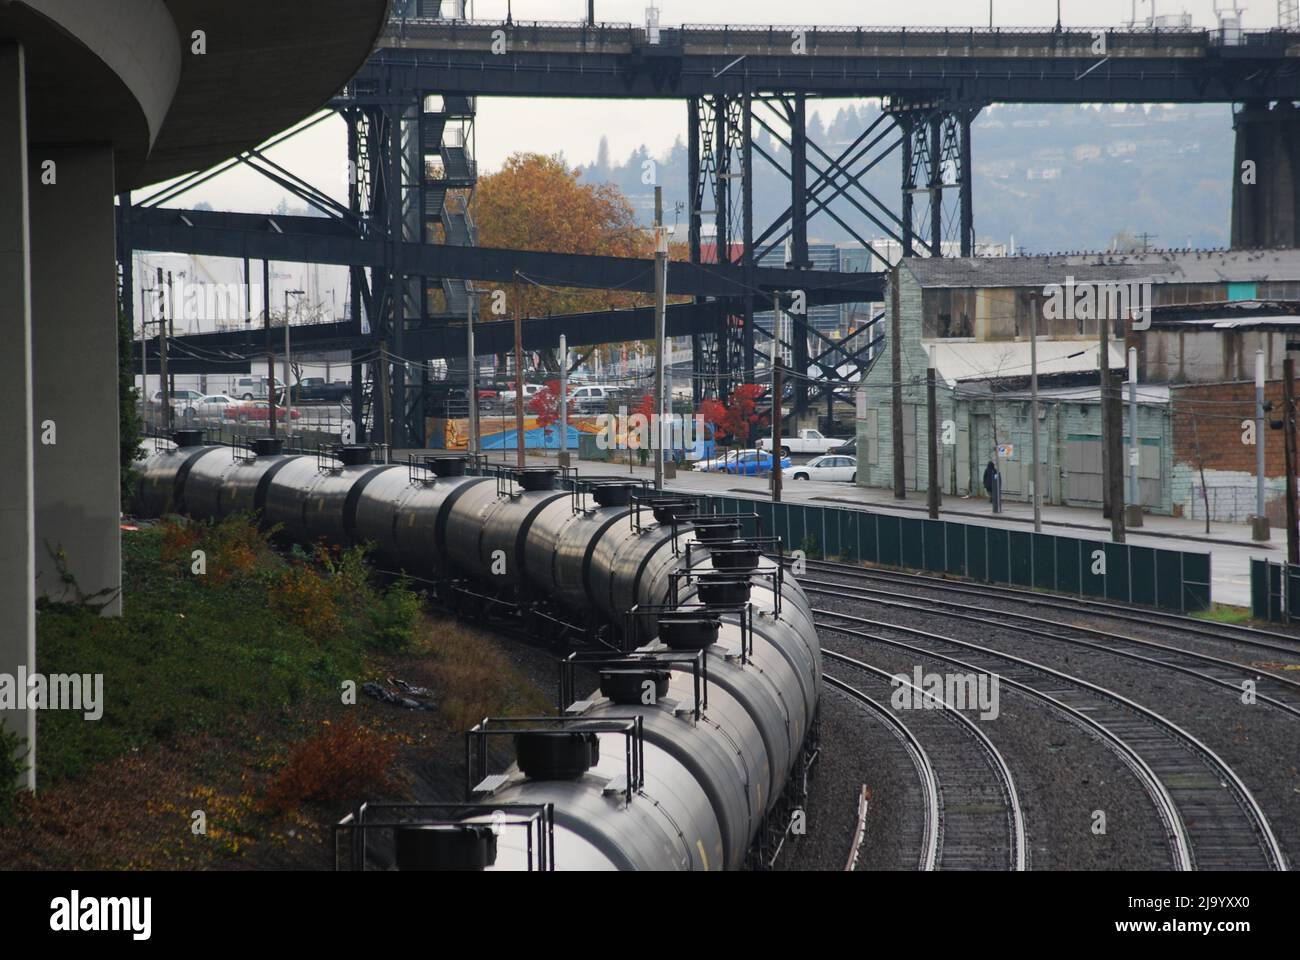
(311, 389)
(804, 441)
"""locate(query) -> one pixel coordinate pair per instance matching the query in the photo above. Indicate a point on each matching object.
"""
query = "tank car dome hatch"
(688, 630)
(628, 686)
(188, 438)
(612, 494)
(352, 455)
(723, 589)
(267, 446)
(556, 754)
(534, 479)
(735, 555)
(457, 846)
(446, 466)
(710, 530)
(672, 509)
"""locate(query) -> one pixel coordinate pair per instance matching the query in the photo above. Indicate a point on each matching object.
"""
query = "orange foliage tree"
(537, 203)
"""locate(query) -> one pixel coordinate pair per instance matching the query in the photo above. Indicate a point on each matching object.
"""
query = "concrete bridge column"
(1266, 212)
(17, 533)
(74, 375)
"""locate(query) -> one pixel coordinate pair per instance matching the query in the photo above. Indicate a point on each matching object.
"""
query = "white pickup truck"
(804, 441)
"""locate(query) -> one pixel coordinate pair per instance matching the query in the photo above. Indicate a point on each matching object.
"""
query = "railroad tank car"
(713, 756)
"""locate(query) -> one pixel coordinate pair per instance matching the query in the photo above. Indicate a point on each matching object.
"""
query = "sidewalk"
(1229, 545)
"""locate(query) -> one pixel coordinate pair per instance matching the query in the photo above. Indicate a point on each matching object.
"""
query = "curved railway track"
(1273, 641)
(1206, 667)
(979, 820)
(920, 760)
(1213, 821)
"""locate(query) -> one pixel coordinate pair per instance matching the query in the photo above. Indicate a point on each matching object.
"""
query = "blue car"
(744, 463)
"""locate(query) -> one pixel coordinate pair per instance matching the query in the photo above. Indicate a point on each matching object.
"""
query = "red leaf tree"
(738, 419)
(545, 406)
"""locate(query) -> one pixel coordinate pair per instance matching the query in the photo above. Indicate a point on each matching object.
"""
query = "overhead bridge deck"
(1043, 65)
(303, 239)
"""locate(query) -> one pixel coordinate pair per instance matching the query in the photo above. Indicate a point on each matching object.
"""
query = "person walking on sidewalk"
(993, 484)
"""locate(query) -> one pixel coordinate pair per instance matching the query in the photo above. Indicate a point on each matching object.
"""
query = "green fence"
(1270, 594)
(1124, 573)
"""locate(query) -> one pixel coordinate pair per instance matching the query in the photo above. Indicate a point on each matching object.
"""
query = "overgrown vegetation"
(1223, 613)
(343, 760)
(224, 697)
(13, 750)
(255, 632)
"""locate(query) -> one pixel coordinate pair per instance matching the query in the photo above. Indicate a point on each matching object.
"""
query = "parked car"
(252, 388)
(318, 389)
(256, 410)
(806, 441)
(750, 463)
(828, 467)
(214, 405)
(592, 399)
(183, 402)
(508, 396)
(848, 448)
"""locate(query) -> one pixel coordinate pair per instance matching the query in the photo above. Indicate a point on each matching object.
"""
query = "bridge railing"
(828, 38)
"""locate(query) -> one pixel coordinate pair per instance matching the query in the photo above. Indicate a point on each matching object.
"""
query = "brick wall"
(1213, 413)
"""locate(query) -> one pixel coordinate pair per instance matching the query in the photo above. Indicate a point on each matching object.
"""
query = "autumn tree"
(545, 406)
(740, 417)
(538, 203)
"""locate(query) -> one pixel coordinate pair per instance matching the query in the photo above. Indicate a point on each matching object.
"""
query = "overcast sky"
(506, 125)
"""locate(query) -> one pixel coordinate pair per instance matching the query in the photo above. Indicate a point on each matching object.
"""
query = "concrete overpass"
(97, 98)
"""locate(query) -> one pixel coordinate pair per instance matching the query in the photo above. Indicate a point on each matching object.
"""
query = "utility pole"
(1115, 445)
(777, 387)
(1260, 526)
(165, 296)
(564, 401)
(1134, 514)
(1103, 386)
(383, 392)
(471, 379)
(287, 392)
(1289, 426)
(933, 497)
(1036, 482)
(661, 306)
(896, 375)
(1112, 429)
(145, 311)
(270, 351)
(519, 374)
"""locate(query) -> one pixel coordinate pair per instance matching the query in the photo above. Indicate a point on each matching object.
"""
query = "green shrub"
(394, 617)
(13, 750)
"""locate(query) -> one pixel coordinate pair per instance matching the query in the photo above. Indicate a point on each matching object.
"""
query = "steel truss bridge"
(407, 235)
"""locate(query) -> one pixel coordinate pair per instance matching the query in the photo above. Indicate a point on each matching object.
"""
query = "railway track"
(1211, 818)
(1208, 668)
(979, 821)
(920, 760)
(1273, 641)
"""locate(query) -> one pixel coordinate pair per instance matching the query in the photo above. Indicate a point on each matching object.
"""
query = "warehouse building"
(1208, 315)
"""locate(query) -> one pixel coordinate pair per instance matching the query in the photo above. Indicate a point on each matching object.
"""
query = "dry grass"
(472, 676)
